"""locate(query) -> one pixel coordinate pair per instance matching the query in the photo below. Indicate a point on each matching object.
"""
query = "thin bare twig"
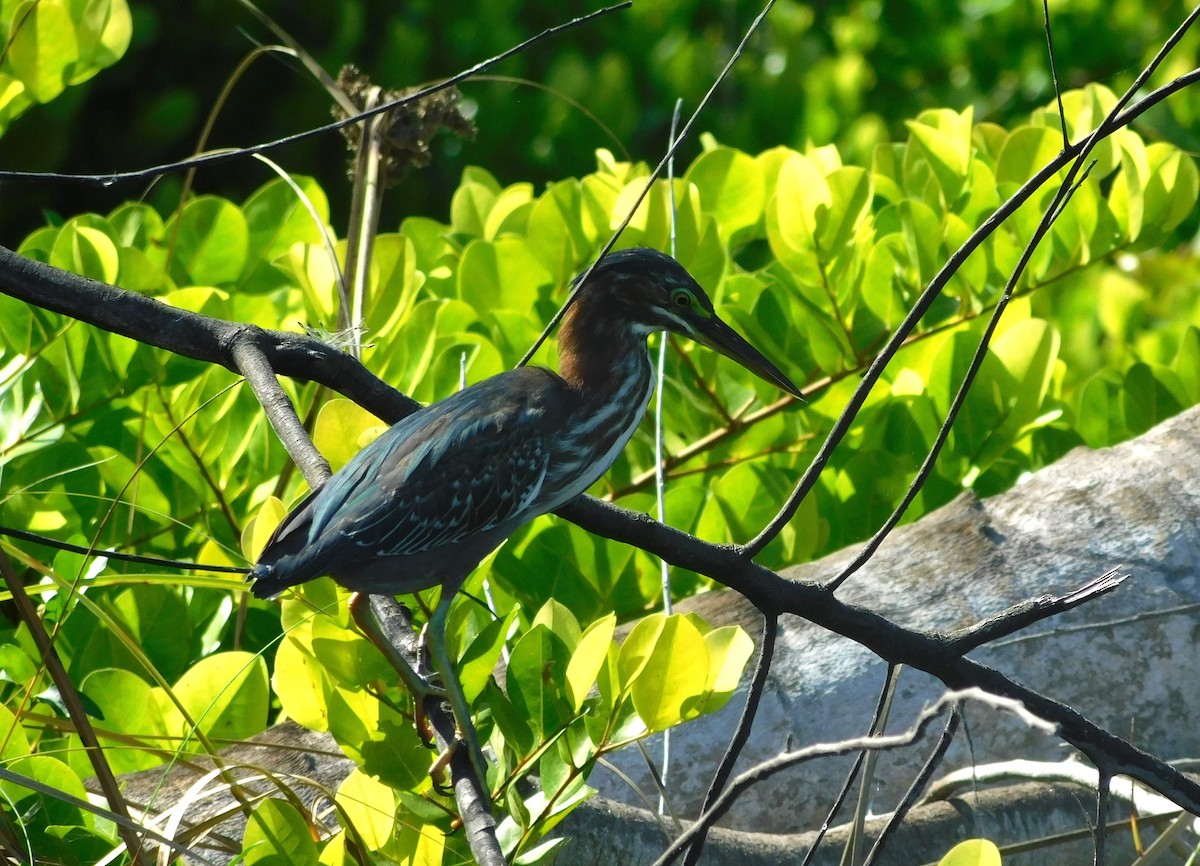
(741, 734)
(767, 769)
(79, 718)
(209, 159)
(1062, 115)
(917, 787)
(877, 722)
(650, 181)
(1026, 613)
(1116, 119)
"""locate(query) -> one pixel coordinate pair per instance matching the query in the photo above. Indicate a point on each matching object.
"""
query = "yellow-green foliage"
(114, 444)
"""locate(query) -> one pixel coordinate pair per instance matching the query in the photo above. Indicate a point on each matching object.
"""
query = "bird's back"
(469, 467)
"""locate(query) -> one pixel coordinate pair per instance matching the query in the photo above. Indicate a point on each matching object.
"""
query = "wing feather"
(473, 462)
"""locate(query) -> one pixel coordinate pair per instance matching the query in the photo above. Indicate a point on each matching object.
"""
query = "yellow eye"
(682, 298)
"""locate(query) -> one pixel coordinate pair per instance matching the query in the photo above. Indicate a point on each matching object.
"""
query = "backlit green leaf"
(226, 694)
(278, 835)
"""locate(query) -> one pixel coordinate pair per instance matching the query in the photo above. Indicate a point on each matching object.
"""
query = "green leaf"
(378, 737)
(300, 681)
(317, 273)
(731, 188)
(503, 273)
(86, 250)
(635, 652)
(105, 29)
(130, 705)
(851, 191)
(800, 195)
(510, 212)
(1101, 418)
(1151, 394)
(557, 233)
(15, 744)
(922, 237)
(477, 663)
(588, 658)
(42, 48)
(1028, 350)
(668, 687)
(226, 694)
(1187, 363)
(973, 852)
(259, 528)
(344, 428)
(559, 619)
(469, 208)
(1026, 151)
(347, 656)
(278, 835)
(516, 727)
(211, 242)
(394, 285)
(369, 807)
(1127, 201)
(944, 138)
(985, 406)
(1171, 187)
(159, 622)
(276, 218)
(420, 843)
(729, 648)
(537, 680)
(46, 811)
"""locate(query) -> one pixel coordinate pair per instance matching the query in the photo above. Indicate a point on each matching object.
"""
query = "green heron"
(423, 504)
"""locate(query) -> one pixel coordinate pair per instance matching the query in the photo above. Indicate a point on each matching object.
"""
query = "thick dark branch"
(253, 364)
(470, 792)
(1026, 613)
(212, 340)
(931, 652)
(192, 334)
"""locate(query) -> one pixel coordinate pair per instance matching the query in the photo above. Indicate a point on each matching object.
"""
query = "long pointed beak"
(715, 334)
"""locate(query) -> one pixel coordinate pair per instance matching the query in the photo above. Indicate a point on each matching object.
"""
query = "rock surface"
(1127, 661)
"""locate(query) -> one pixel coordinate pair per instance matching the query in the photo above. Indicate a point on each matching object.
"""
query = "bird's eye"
(682, 298)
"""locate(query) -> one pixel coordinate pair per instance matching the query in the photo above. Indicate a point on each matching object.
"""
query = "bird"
(427, 501)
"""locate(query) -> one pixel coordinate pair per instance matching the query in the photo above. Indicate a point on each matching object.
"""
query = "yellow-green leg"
(418, 685)
(440, 655)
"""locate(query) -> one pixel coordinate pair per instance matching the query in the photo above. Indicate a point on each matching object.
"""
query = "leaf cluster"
(570, 696)
(119, 445)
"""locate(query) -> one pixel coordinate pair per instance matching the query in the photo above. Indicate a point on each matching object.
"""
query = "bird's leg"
(440, 655)
(434, 635)
(418, 686)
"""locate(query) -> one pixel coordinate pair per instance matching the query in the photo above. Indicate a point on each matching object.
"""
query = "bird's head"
(643, 291)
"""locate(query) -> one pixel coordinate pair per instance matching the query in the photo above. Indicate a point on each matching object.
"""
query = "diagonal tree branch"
(209, 339)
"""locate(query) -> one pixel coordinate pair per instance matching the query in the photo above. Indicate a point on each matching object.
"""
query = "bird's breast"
(590, 440)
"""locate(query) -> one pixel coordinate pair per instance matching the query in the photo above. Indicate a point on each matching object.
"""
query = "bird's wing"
(460, 467)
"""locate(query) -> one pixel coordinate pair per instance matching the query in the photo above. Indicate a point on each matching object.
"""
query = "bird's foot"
(439, 769)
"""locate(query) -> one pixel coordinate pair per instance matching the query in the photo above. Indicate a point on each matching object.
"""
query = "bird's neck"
(606, 368)
(602, 358)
